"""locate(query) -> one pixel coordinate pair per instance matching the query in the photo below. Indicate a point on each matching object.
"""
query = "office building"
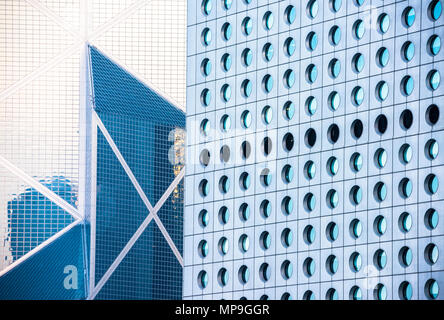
(313, 161)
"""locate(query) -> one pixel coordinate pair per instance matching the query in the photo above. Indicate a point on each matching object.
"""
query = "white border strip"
(40, 188)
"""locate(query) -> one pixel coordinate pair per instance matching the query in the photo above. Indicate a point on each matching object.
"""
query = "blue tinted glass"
(204, 248)
(407, 85)
(332, 231)
(433, 288)
(336, 5)
(431, 219)
(432, 183)
(226, 92)
(434, 44)
(206, 97)
(268, 20)
(227, 31)
(358, 62)
(290, 46)
(287, 237)
(268, 83)
(382, 90)
(380, 225)
(206, 67)
(309, 234)
(380, 259)
(309, 266)
(335, 68)
(381, 292)
(207, 6)
(356, 228)
(289, 110)
(408, 50)
(244, 243)
(312, 105)
(247, 87)
(289, 78)
(335, 35)
(227, 4)
(383, 56)
(204, 218)
(435, 9)
(203, 279)
(356, 261)
(357, 195)
(405, 222)
(206, 37)
(312, 73)
(357, 162)
(358, 95)
(356, 293)
(434, 79)
(247, 57)
(312, 9)
(334, 100)
(244, 211)
(310, 169)
(406, 291)
(290, 14)
(384, 22)
(359, 29)
(406, 256)
(333, 199)
(247, 25)
(312, 41)
(409, 16)
(226, 62)
(268, 51)
(333, 264)
(406, 188)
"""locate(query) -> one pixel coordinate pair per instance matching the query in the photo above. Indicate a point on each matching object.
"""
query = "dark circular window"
(265, 208)
(357, 128)
(245, 150)
(406, 119)
(266, 145)
(333, 133)
(310, 137)
(288, 142)
(224, 153)
(432, 114)
(204, 157)
(381, 124)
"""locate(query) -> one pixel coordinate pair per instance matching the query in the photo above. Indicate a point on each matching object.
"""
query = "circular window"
(381, 124)
(431, 184)
(312, 9)
(334, 100)
(267, 83)
(405, 188)
(332, 199)
(309, 267)
(205, 67)
(267, 114)
(202, 279)
(268, 52)
(225, 123)
(356, 228)
(357, 128)
(203, 248)
(406, 119)
(311, 73)
(288, 142)
(265, 240)
(224, 184)
(227, 31)
(311, 105)
(289, 46)
(383, 57)
(435, 10)
(245, 150)
(205, 127)
(358, 62)
(222, 277)
(310, 138)
(407, 85)
(266, 177)
(380, 158)
(265, 272)
(268, 20)
(286, 269)
(225, 92)
(266, 146)
(244, 274)
(334, 68)
(431, 219)
(223, 246)
(286, 296)
(356, 162)
(204, 218)
(355, 293)
(310, 170)
(432, 289)
(287, 205)
(335, 5)
(358, 96)
(312, 41)
(290, 14)
(265, 208)
(309, 202)
(332, 231)
(408, 51)
(359, 2)
(247, 57)
(332, 166)
(334, 35)
(358, 29)
(287, 237)
(434, 45)
(226, 62)
(382, 90)
(432, 149)
(408, 16)
(245, 181)
(380, 259)
(224, 154)
(332, 264)
(432, 114)
(380, 292)
(224, 215)
(405, 222)
(247, 88)
(246, 119)
(356, 195)
(204, 187)
(204, 157)
(289, 78)
(355, 262)
(244, 212)
(247, 26)
(380, 225)
(288, 110)
(227, 4)
(331, 294)
(405, 153)
(405, 291)
(309, 234)
(206, 37)
(431, 253)
(308, 295)
(287, 173)
(244, 243)
(384, 23)
(433, 79)
(333, 133)
(207, 6)
(205, 97)
(405, 256)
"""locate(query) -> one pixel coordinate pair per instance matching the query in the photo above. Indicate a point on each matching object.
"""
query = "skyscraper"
(90, 155)
(313, 163)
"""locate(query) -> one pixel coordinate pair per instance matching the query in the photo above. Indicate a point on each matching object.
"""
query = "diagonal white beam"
(136, 236)
(137, 186)
(32, 252)
(54, 17)
(122, 15)
(40, 188)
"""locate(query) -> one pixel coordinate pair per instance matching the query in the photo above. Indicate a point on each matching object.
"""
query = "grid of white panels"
(319, 108)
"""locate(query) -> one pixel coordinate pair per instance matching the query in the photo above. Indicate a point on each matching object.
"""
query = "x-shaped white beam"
(152, 211)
